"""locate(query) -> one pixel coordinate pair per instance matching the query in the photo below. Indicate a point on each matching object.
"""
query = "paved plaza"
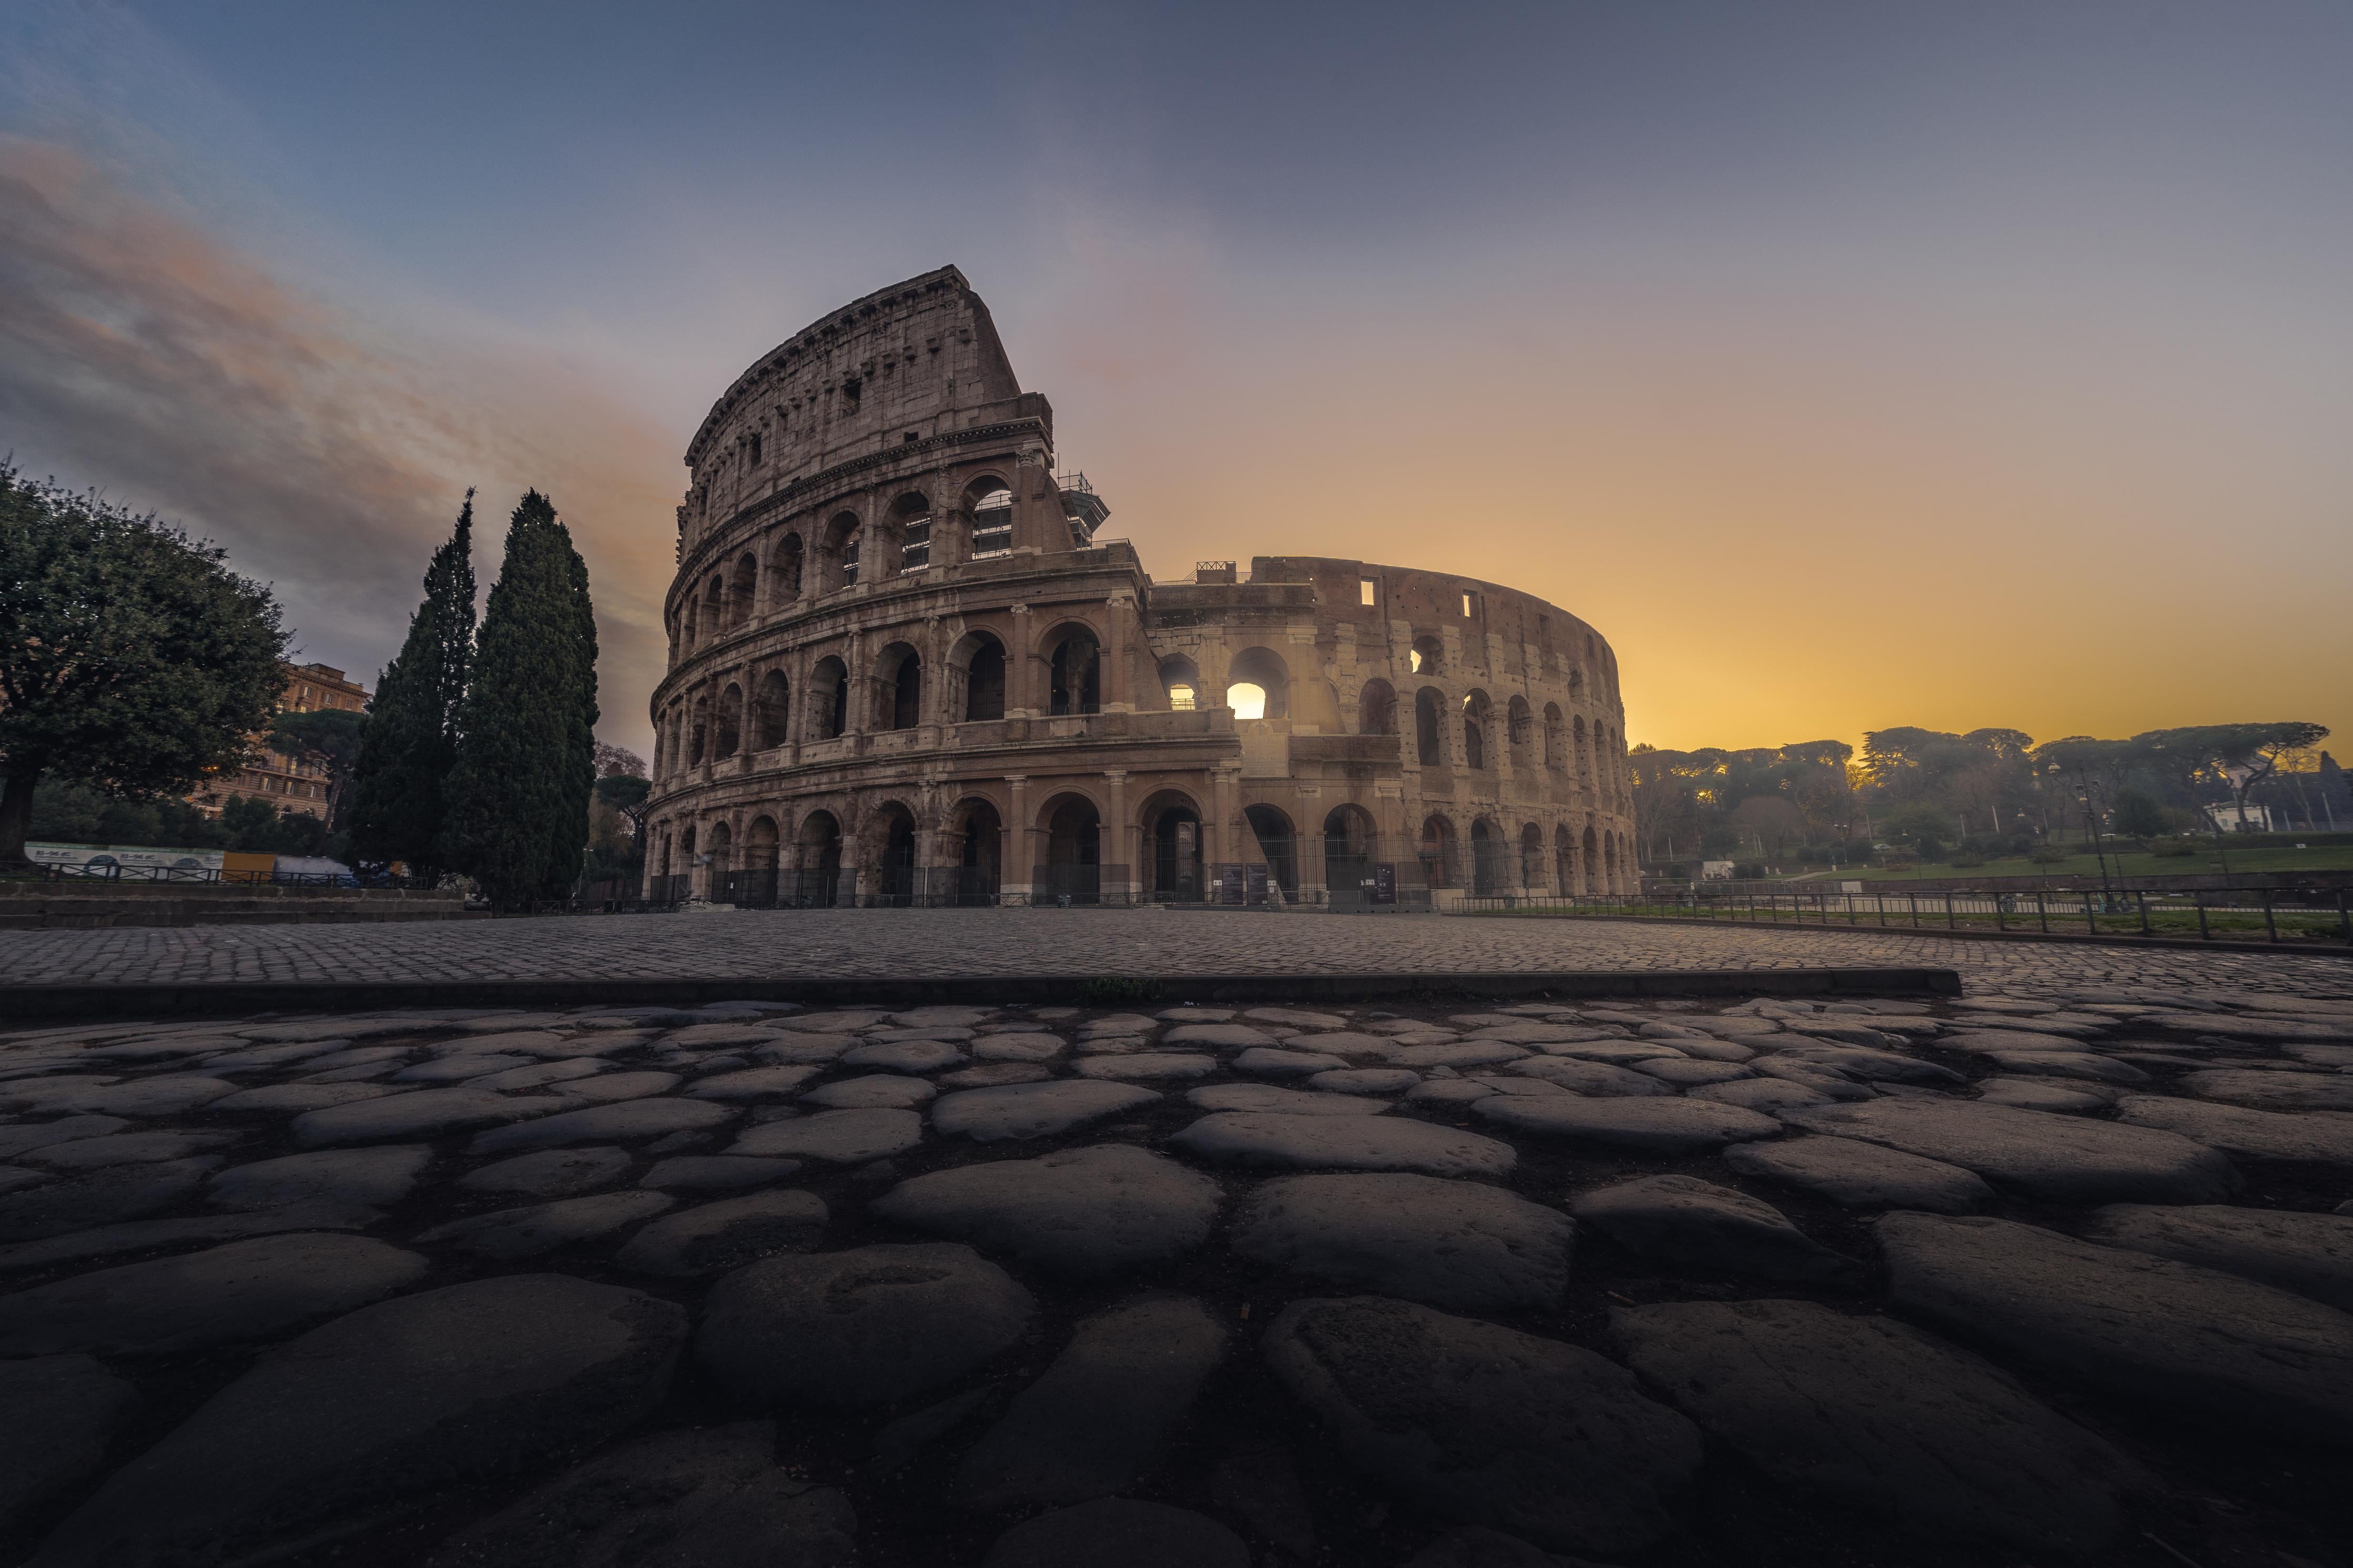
(2035, 1275)
(889, 944)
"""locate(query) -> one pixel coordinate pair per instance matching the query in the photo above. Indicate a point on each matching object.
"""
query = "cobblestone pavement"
(887, 943)
(2038, 1275)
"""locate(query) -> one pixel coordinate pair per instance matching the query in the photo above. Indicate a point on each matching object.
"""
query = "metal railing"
(2209, 914)
(203, 876)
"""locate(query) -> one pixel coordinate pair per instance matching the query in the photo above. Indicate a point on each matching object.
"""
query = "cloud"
(139, 353)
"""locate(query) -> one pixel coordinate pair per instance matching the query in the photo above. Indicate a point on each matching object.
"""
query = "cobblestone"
(884, 944)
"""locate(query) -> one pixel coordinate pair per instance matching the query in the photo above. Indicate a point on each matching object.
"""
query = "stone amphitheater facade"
(906, 666)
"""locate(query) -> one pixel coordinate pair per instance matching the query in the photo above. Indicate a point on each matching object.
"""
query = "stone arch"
(1074, 668)
(1427, 657)
(899, 687)
(1180, 682)
(1175, 851)
(1260, 666)
(730, 739)
(1563, 861)
(1520, 733)
(1487, 851)
(723, 849)
(785, 570)
(1555, 758)
(838, 549)
(1278, 841)
(1429, 726)
(1376, 708)
(988, 508)
(697, 741)
(819, 844)
(1437, 851)
(1478, 717)
(1576, 683)
(887, 836)
(743, 589)
(976, 678)
(828, 698)
(972, 850)
(715, 607)
(760, 843)
(1532, 857)
(1592, 859)
(772, 712)
(1072, 822)
(1351, 839)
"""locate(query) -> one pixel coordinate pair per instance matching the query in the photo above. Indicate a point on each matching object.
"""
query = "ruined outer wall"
(861, 677)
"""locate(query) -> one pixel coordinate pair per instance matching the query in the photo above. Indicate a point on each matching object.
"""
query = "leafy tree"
(328, 738)
(619, 762)
(409, 742)
(133, 660)
(2137, 814)
(2234, 756)
(526, 750)
(250, 823)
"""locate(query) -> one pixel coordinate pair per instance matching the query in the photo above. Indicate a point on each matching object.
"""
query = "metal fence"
(2211, 914)
(207, 876)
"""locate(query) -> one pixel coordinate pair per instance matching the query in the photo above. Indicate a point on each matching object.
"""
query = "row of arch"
(968, 839)
(1562, 740)
(762, 715)
(815, 558)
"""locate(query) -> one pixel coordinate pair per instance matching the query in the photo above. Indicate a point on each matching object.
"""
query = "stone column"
(1117, 850)
(1118, 686)
(1225, 844)
(1017, 876)
(1017, 674)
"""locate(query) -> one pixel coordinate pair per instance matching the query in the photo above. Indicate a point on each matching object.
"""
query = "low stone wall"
(42, 906)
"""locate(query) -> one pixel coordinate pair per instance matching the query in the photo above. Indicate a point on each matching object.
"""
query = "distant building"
(2228, 817)
(292, 784)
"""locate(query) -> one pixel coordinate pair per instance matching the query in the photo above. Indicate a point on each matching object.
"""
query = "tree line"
(1988, 792)
(139, 663)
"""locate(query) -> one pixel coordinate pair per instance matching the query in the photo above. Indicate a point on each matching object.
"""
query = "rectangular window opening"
(1368, 591)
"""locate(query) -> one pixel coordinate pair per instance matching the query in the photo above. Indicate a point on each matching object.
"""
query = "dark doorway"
(1273, 832)
(1078, 676)
(1177, 875)
(985, 687)
(1348, 858)
(1073, 868)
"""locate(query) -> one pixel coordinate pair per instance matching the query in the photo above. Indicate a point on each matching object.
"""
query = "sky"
(1847, 365)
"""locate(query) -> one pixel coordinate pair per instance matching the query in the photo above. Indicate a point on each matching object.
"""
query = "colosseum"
(906, 666)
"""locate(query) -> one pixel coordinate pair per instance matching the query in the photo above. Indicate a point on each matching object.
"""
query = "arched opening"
(842, 547)
(828, 698)
(1376, 709)
(698, 736)
(1428, 721)
(1259, 679)
(743, 589)
(785, 576)
(1564, 861)
(714, 606)
(772, 711)
(1520, 731)
(1592, 860)
(911, 528)
(1486, 858)
(1172, 869)
(1532, 857)
(755, 884)
(979, 659)
(976, 852)
(1428, 656)
(820, 880)
(1073, 869)
(891, 854)
(1180, 678)
(1437, 852)
(991, 506)
(1554, 759)
(1348, 841)
(898, 672)
(717, 883)
(731, 722)
(1577, 682)
(1272, 828)
(1077, 673)
(1476, 718)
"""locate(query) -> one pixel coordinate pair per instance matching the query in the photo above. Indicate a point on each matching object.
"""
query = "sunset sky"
(1847, 364)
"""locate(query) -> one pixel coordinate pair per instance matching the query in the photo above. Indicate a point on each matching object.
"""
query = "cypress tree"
(518, 793)
(400, 805)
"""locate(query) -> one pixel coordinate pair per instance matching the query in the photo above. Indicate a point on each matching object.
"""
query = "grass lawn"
(2129, 864)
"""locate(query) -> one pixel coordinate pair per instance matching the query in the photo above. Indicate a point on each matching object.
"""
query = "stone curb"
(21, 1003)
(1840, 927)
